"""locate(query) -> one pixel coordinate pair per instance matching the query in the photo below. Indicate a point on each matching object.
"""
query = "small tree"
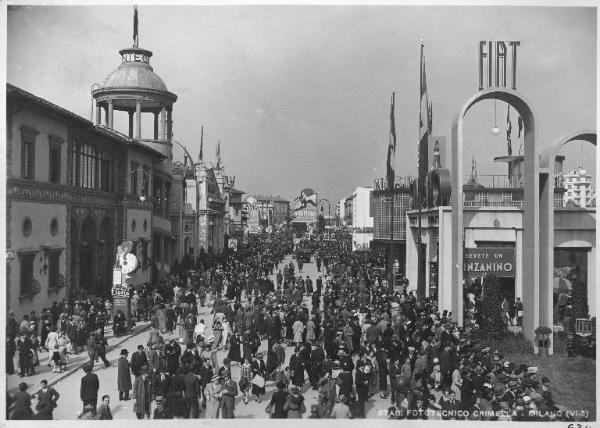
(491, 303)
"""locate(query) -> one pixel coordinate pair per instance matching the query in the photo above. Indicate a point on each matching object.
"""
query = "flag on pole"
(520, 123)
(219, 154)
(135, 26)
(425, 123)
(391, 157)
(473, 170)
(425, 107)
(508, 131)
(200, 155)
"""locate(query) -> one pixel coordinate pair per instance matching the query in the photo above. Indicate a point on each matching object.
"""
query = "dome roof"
(134, 75)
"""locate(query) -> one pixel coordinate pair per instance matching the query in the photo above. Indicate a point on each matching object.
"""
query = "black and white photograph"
(352, 210)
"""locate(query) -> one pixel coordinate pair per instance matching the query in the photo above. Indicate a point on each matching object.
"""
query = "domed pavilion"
(135, 88)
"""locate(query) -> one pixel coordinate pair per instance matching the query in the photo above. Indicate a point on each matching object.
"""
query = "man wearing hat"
(142, 394)
(229, 392)
(124, 375)
(161, 411)
(138, 360)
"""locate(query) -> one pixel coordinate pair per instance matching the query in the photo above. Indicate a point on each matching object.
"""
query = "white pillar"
(138, 119)
(591, 280)
(110, 114)
(163, 123)
(519, 264)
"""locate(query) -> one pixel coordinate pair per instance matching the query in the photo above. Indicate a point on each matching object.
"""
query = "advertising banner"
(499, 261)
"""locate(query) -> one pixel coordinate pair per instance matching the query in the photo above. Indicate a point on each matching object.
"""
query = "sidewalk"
(76, 362)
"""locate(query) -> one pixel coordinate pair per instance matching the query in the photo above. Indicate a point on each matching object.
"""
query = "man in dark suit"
(317, 357)
(123, 376)
(191, 394)
(89, 387)
(47, 397)
(138, 360)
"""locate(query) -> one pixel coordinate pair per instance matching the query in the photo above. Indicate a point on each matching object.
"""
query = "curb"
(80, 365)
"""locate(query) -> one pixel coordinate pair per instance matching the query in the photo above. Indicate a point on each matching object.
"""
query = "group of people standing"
(356, 342)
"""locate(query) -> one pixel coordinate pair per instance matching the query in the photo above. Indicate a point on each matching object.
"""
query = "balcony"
(493, 182)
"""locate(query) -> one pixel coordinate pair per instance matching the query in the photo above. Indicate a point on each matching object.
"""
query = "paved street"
(69, 404)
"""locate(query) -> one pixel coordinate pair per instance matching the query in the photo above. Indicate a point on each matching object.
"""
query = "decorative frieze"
(47, 193)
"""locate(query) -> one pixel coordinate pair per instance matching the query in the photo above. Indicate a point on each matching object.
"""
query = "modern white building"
(361, 213)
(340, 210)
(579, 189)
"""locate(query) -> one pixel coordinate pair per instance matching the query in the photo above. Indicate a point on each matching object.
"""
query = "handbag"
(259, 381)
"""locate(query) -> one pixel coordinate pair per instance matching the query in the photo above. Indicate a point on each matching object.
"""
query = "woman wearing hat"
(213, 397)
(294, 405)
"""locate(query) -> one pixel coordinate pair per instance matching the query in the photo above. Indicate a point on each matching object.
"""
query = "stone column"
(138, 119)
(163, 123)
(110, 114)
(155, 125)
(169, 123)
(130, 114)
(98, 114)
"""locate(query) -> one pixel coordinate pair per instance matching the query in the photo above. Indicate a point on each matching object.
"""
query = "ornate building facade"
(68, 185)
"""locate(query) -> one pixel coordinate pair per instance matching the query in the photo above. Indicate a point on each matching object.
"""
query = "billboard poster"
(499, 261)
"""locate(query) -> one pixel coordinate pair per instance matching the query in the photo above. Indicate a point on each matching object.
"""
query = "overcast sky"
(299, 95)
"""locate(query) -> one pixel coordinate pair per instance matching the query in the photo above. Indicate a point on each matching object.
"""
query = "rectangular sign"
(499, 261)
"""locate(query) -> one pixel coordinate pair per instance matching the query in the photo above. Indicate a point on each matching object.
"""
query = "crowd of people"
(353, 336)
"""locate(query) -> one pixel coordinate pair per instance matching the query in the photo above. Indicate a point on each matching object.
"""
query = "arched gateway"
(531, 203)
(546, 254)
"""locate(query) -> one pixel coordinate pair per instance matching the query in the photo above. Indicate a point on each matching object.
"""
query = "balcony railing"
(486, 203)
(494, 182)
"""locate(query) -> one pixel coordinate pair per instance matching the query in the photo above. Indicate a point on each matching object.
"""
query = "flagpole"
(419, 184)
(391, 190)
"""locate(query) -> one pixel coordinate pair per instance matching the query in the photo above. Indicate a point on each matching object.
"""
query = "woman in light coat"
(213, 397)
(298, 329)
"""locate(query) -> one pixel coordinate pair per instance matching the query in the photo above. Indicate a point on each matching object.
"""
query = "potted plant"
(543, 338)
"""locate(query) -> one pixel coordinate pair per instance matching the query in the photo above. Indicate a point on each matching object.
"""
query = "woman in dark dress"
(235, 353)
(297, 367)
(278, 400)
(272, 362)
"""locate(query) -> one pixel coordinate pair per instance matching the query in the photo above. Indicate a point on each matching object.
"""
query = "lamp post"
(328, 211)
